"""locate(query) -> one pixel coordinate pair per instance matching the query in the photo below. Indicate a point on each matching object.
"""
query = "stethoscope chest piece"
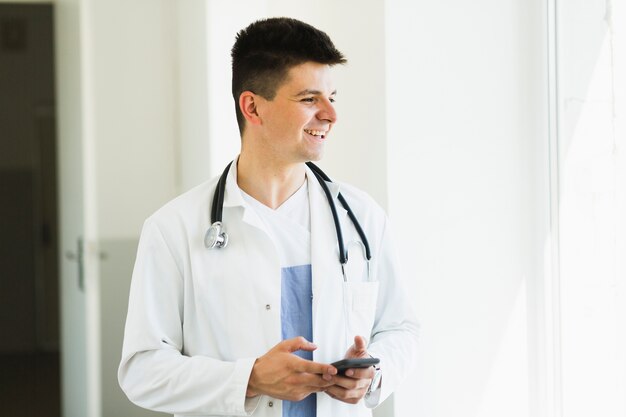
(215, 237)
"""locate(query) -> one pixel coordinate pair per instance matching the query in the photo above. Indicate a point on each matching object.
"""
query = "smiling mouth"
(317, 133)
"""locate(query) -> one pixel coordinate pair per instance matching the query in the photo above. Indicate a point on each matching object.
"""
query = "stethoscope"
(217, 238)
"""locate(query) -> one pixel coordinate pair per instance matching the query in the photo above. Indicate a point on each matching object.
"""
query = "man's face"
(296, 123)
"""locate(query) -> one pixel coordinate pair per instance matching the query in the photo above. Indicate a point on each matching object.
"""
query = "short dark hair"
(267, 49)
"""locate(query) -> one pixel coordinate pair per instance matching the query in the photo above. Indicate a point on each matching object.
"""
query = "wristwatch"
(375, 381)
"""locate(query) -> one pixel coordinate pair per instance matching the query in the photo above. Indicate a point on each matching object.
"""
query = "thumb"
(297, 343)
(358, 349)
(359, 343)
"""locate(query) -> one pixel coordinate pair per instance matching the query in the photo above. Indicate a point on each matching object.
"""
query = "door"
(29, 349)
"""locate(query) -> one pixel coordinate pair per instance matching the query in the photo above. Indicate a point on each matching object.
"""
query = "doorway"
(29, 278)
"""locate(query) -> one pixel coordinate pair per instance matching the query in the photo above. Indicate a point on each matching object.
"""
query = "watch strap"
(375, 384)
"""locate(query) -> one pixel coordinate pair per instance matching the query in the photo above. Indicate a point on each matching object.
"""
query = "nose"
(327, 111)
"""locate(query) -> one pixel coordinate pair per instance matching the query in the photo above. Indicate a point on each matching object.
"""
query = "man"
(252, 327)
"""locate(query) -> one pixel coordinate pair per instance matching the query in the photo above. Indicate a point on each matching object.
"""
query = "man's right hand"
(281, 374)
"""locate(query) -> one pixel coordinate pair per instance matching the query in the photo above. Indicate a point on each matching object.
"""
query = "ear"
(248, 102)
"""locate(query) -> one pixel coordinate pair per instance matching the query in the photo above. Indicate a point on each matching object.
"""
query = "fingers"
(361, 373)
(313, 381)
(302, 365)
(281, 374)
(351, 396)
(350, 389)
(352, 383)
(296, 343)
(315, 368)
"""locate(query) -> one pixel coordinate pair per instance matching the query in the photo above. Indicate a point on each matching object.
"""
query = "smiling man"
(246, 319)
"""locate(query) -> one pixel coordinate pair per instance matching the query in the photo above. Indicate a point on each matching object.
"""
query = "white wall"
(592, 180)
(193, 93)
(135, 121)
(466, 137)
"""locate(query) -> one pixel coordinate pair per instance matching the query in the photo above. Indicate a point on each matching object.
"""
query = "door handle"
(78, 257)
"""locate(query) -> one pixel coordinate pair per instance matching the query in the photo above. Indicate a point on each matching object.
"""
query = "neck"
(269, 183)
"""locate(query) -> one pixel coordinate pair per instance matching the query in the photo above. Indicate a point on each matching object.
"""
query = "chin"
(315, 156)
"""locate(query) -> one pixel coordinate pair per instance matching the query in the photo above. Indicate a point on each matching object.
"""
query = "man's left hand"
(353, 385)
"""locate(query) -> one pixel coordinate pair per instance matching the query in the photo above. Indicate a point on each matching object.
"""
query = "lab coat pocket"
(361, 300)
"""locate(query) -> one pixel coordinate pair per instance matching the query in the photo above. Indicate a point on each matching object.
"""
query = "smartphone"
(346, 364)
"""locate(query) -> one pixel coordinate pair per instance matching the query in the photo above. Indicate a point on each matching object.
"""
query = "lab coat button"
(267, 306)
(270, 404)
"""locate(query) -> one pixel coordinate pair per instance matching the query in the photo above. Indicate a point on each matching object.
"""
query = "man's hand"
(353, 385)
(281, 374)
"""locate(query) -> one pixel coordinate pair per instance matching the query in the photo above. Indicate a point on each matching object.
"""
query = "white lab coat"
(198, 318)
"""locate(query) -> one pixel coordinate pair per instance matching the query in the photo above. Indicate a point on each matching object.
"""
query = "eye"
(308, 100)
(332, 99)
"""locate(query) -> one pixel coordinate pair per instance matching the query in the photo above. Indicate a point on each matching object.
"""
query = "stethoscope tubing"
(218, 198)
(217, 206)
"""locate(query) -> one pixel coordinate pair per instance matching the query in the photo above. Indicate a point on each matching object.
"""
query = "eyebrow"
(308, 92)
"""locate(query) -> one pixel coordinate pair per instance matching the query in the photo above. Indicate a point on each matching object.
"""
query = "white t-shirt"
(289, 226)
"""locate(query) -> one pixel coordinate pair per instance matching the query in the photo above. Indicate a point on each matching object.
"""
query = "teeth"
(315, 132)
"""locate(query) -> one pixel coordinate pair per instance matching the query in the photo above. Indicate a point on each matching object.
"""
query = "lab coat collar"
(333, 187)
(233, 197)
